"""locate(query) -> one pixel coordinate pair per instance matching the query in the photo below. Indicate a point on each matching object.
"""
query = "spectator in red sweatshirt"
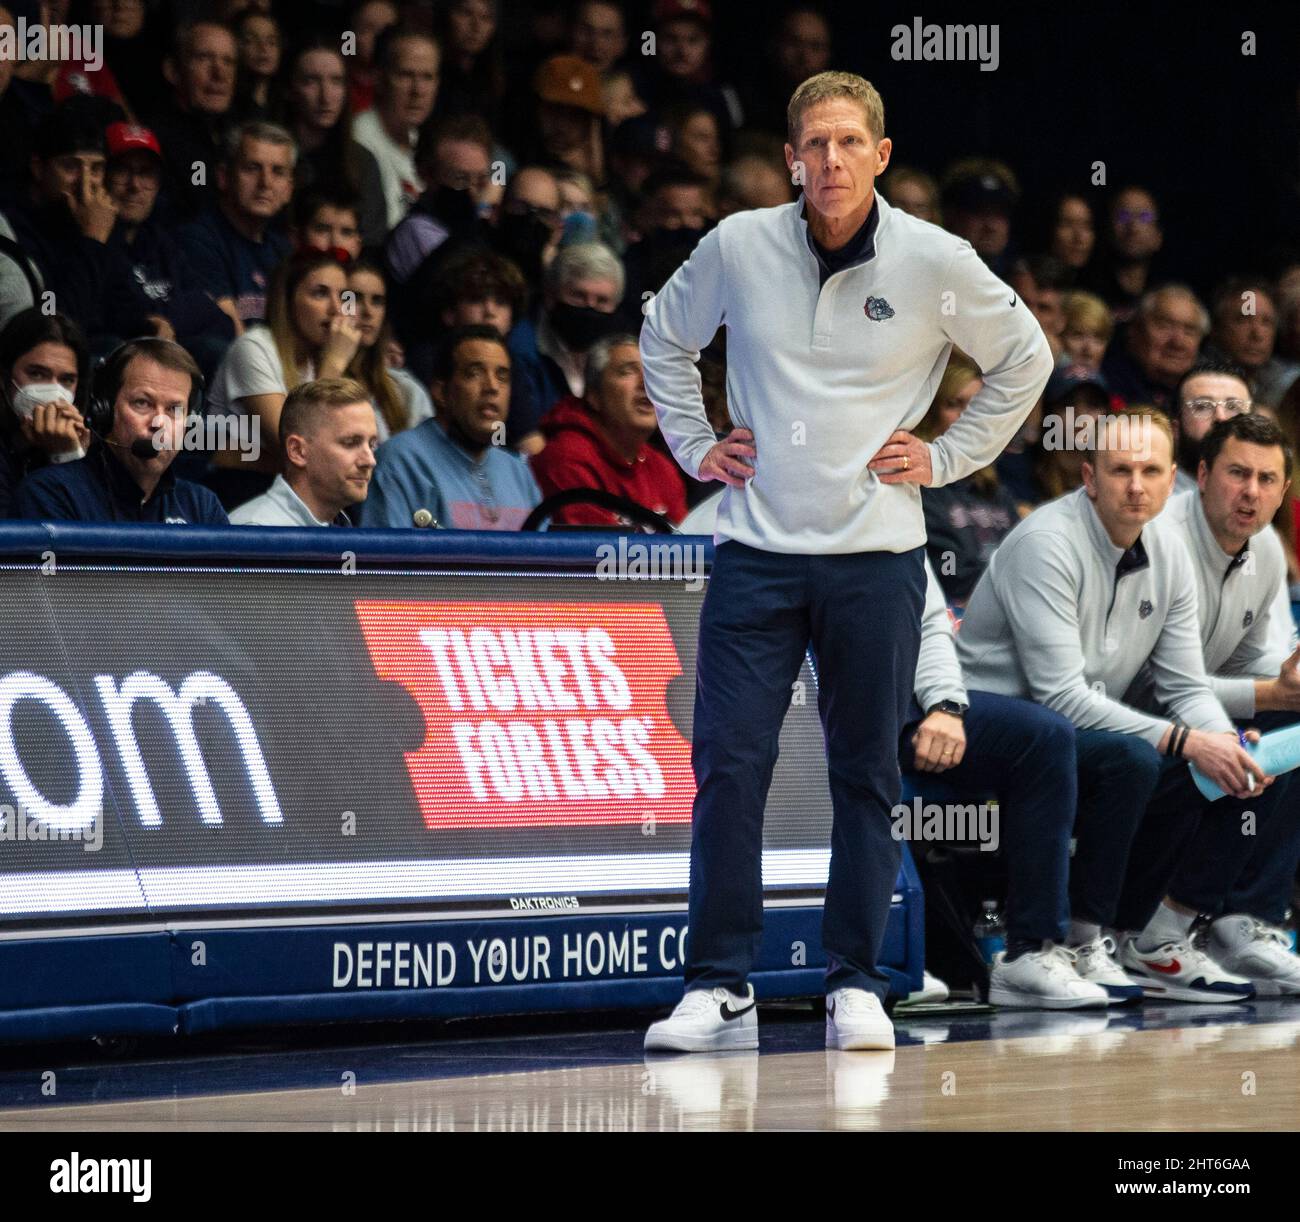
(603, 441)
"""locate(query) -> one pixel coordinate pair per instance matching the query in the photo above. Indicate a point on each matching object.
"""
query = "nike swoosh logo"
(1165, 969)
(729, 1016)
(1013, 299)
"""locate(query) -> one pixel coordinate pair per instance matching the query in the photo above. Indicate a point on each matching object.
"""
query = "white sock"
(1083, 932)
(1166, 926)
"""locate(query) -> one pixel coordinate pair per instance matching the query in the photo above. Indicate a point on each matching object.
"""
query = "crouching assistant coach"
(840, 314)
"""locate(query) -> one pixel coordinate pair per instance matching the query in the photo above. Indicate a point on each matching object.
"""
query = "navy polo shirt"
(98, 488)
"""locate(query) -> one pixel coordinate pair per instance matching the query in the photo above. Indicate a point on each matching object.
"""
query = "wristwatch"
(952, 707)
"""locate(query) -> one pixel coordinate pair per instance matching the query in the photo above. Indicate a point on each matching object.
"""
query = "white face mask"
(26, 399)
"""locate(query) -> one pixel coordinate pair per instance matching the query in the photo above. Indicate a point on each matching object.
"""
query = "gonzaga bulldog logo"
(878, 309)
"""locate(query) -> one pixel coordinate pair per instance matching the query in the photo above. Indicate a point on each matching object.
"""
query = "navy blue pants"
(861, 612)
(1137, 813)
(1218, 862)
(1024, 753)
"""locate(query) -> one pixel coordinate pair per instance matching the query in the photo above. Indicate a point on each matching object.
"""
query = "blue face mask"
(579, 227)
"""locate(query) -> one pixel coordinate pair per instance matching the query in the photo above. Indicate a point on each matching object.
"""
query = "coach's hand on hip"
(903, 459)
(727, 460)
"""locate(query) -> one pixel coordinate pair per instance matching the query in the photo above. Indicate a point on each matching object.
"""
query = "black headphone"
(106, 381)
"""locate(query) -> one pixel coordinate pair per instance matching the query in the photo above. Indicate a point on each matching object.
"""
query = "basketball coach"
(840, 314)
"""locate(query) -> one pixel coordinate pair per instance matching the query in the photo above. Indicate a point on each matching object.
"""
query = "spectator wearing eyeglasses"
(530, 224)
(1134, 238)
(455, 159)
(1145, 364)
(1245, 332)
(1212, 390)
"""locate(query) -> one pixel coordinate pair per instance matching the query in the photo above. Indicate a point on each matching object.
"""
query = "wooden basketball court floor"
(1167, 1067)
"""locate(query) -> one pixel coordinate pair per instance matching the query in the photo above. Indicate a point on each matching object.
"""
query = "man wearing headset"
(140, 400)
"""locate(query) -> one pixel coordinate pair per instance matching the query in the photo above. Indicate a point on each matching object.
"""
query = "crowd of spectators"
(464, 228)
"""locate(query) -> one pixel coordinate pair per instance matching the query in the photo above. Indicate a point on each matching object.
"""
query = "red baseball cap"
(128, 137)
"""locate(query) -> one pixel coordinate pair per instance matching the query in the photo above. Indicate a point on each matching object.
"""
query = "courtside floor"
(1159, 1067)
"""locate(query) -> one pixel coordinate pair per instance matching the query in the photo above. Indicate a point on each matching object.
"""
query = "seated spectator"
(681, 70)
(1210, 391)
(1160, 345)
(966, 520)
(1122, 273)
(234, 246)
(604, 442)
(473, 74)
(474, 286)
(598, 34)
(66, 230)
(368, 19)
(406, 69)
(201, 69)
(184, 309)
(328, 439)
(260, 45)
(478, 286)
(454, 158)
(584, 286)
(1074, 401)
(43, 364)
(913, 191)
(1244, 331)
(695, 140)
(307, 336)
(676, 212)
(326, 218)
(979, 198)
(455, 466)
(399, 400)
(752, 182)
(1089, 327)
(1073, 237)
(318, 118)
(1042, 280)
(529, 225)
(797, 47)
(568, 116)
(140, 402)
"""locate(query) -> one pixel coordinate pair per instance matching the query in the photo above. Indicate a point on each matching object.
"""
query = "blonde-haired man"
(841, 312)
(328, 437)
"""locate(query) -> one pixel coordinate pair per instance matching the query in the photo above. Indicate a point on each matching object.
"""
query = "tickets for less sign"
(537, 713)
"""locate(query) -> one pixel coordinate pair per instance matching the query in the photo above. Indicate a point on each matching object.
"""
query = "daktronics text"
(537, 712)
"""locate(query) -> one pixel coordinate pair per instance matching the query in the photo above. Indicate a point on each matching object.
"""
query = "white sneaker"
(1043, 980)
(856, 1020)
(1095, 962)
(707, 1020)
(932, 992)
(1260, 952)
(1178, 971)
